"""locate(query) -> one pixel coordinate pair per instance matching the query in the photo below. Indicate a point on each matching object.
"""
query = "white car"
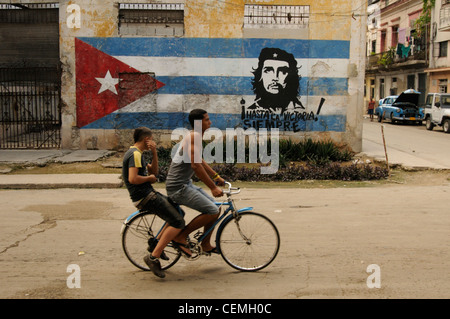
(437, 111)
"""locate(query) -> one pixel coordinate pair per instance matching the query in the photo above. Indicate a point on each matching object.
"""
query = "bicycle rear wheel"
(248, 242)
(138, 233)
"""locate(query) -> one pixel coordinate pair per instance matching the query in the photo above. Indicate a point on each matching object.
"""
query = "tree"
(424, 19)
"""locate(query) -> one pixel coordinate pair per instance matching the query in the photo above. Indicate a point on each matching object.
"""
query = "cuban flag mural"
(292, 85)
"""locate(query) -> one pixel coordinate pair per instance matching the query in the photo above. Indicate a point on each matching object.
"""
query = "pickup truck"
(437, 111)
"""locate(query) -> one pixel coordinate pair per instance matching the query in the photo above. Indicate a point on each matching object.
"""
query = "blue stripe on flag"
(219, 47)
(218, 85)
(171, 121)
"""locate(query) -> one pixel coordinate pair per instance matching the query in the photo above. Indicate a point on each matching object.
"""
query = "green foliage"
(424, 19)
(387, 58)
(306, 159)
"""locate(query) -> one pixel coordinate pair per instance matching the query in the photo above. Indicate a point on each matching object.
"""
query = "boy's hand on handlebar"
(217, 192)
(220, 181)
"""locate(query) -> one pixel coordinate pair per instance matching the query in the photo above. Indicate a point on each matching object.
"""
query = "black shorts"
(165, 208)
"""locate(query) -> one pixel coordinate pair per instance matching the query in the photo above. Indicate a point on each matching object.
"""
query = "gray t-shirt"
(180, 172)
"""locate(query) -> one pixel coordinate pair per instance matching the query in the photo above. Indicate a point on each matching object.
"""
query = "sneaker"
(154, 265)
(152, 242)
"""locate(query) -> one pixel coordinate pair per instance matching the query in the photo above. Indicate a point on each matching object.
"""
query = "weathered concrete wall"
(114, 83)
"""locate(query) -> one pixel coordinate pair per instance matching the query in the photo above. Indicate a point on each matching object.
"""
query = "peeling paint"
(208, 26)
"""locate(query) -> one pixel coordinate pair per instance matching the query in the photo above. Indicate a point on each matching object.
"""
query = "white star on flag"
(108, 83)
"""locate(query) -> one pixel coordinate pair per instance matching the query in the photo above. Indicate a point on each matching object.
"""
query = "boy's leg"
(167, 236)
(162, 207)
(203, 220)
(196, 198)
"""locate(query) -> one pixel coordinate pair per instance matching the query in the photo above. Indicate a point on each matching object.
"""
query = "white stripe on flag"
(176, 66)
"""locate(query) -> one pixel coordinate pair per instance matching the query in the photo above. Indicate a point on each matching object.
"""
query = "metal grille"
(276, 16)
(48, 13)
(151, 13)
(30, 107)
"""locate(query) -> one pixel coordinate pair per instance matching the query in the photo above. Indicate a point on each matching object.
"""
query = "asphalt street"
(376, 242)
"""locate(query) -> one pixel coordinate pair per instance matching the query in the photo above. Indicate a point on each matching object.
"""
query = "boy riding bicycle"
(181, 190)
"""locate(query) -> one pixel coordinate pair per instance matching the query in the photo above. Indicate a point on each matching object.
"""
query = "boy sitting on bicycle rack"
(144, 196)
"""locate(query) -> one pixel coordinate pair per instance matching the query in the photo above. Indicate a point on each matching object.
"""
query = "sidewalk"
(48, 181)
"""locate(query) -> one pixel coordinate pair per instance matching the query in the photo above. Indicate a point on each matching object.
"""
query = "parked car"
(402, 108)
(437, 111)
(383, 104)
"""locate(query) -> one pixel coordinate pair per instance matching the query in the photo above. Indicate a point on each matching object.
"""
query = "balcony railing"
(444, 17)
(397, 57)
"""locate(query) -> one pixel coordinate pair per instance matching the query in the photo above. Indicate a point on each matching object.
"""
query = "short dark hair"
(196, 114)
(293, 79)
(140, 133)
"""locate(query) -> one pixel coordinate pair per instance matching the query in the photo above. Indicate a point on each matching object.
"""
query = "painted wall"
(112, 83)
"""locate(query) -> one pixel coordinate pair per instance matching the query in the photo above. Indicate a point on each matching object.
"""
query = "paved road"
(407, 145)
(329, 239)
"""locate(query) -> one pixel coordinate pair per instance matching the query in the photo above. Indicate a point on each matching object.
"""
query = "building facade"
(296, 66)
(439, 67)
(397, 54)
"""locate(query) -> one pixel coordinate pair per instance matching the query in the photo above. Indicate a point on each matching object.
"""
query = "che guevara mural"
(292, 85)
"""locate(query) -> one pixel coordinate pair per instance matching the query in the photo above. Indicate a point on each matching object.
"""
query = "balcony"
(444, 16)
(398, 58)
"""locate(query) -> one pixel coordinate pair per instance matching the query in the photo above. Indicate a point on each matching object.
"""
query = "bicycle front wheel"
(249, 241)
(141, 231)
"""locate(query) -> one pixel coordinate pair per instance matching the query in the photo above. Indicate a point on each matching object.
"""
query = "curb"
(55, 181)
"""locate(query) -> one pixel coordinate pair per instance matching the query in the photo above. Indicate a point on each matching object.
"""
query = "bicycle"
(246, 240)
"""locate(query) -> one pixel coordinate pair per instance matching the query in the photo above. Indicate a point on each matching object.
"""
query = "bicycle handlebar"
(230, 189)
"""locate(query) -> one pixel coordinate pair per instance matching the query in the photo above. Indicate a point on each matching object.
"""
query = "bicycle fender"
(246, 209)
(127, 220)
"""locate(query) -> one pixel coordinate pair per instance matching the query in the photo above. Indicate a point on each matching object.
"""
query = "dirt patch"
(76, 210)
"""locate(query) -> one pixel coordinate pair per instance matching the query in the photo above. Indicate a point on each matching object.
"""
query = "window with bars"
(276, 16)
(443, 85)
(29, 13)
(150, 19)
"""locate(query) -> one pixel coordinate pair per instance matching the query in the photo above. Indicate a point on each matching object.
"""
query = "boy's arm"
(153, 168)
(215, 176)
(200, 171)
(136, 179)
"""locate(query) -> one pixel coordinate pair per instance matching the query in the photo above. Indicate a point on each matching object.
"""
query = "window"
(383, 41)
(149, 19)
(443, 86)
(393, 90)
(411, 81)
(429, 101)
(394, 38)
(381, 88)
(443, 46)
(256, 16)
(445, 102)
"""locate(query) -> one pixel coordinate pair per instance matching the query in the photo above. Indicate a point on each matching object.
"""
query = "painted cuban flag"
(123, 83)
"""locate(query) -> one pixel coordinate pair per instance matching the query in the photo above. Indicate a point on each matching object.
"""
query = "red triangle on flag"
(104, 84)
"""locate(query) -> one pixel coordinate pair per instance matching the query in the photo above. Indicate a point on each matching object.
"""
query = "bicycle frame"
(231, 208)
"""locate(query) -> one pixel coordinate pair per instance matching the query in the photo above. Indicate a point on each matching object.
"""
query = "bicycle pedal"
(198, 235)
